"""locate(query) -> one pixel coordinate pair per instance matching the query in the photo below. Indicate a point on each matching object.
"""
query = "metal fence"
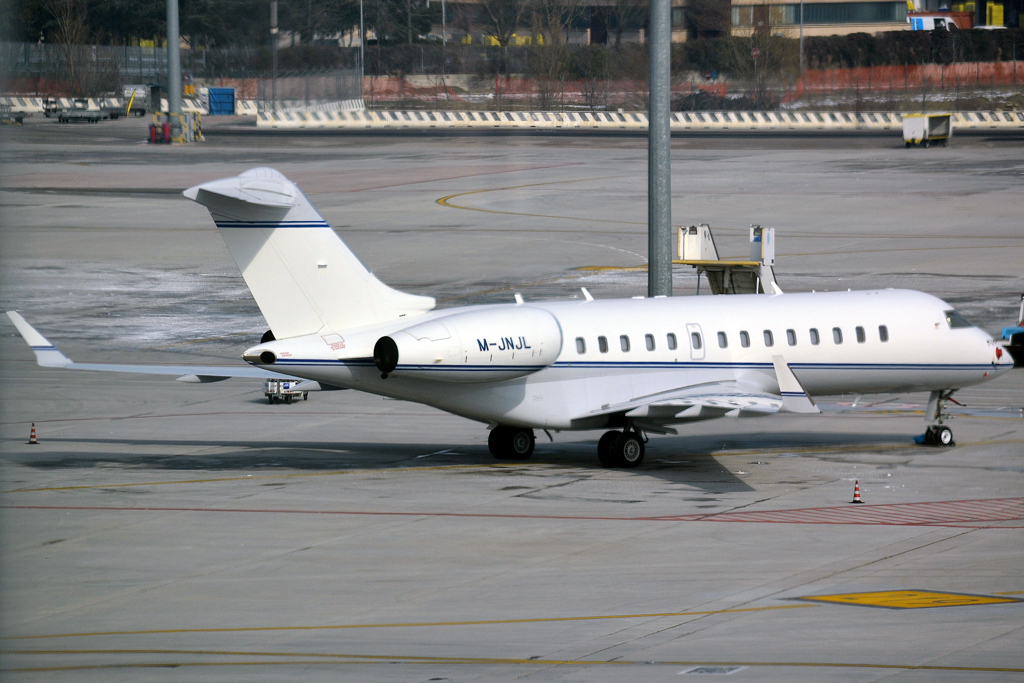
(51, 60)
(332, 90)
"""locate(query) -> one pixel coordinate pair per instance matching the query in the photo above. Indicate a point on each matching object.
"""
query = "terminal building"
(605, 22)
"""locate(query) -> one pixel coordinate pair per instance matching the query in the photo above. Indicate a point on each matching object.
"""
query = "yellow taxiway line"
(415, 624)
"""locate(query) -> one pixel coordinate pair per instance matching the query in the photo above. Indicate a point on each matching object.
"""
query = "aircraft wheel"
(604, 448)
(270, 400)
(926, 144)
(908, 144)
(511, 443)
(944, 436)
(628, 450)
(305, 395)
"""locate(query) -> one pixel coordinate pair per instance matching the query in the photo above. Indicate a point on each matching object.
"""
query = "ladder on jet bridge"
(696, 247)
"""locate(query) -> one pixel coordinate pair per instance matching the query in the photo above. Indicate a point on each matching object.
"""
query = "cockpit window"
(956, 320)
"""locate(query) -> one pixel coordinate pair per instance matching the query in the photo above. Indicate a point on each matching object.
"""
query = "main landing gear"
(937, 433)
(511, 443)
(621, 449)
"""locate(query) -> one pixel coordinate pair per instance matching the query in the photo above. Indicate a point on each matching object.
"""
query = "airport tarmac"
(162, 531)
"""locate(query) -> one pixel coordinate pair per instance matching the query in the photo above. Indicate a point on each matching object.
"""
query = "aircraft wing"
(714, 399)
(697, 402)
(49, 356)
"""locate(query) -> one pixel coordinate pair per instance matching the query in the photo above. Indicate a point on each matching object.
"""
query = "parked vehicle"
(930, 23)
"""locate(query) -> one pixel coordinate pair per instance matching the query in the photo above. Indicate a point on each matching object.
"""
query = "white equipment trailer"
(927, 129)
(284, 390)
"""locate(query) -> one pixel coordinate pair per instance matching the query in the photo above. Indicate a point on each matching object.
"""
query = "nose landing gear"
(937, 433)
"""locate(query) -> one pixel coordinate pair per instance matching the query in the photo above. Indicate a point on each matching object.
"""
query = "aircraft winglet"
(47, 355)
(794, 398)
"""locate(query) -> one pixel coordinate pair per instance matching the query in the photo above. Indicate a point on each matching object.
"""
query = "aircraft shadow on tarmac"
(687, 459)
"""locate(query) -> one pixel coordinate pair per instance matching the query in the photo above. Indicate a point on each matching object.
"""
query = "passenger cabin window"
(723, 341)
(955, 320)
(837, 335)
(815, 339)
(581, 345)
(624, 343)
(791, 337)
(769, 340)
(861, 337)
(672, 344)
(649, 339)
(883, 333)
(744, 339)
(695, 340)
(602, 344)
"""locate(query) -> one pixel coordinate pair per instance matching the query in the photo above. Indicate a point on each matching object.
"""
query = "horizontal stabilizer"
(794, 398)
(48, 356)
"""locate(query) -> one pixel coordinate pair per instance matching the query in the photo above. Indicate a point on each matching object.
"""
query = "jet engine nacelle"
(476, 346)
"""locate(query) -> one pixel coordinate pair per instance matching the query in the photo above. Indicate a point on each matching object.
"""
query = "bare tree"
(552, 19)
(69, 17)
(501, 18)
(628, 14)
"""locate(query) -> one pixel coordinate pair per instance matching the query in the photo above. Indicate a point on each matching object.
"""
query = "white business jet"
(630, 366)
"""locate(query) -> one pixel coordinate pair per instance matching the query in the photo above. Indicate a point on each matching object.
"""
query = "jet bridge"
(696, 247)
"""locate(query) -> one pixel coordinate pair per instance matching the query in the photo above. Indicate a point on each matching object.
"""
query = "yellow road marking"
(480, 622)
(251, 477)
(323, 658)
(909, 599)
(446, 202)
(605, 269)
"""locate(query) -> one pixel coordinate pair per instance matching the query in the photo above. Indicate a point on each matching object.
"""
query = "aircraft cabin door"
(696, 341)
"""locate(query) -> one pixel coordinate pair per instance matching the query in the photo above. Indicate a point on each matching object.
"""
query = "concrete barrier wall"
(610, 121)
(34, 105)
(361, 119)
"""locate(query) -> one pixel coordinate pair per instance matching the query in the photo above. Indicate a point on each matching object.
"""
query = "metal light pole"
(801, 42)
(173, 71)
(362, 56)
(273, 51)
(659, 169)
(444, 26)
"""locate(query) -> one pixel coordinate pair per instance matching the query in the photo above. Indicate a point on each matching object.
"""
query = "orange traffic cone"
(856, 493)
(32, 435)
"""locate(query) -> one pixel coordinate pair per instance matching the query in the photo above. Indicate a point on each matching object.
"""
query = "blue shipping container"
(222, 101)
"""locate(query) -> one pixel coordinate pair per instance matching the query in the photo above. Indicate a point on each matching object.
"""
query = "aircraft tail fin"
(302, 275)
